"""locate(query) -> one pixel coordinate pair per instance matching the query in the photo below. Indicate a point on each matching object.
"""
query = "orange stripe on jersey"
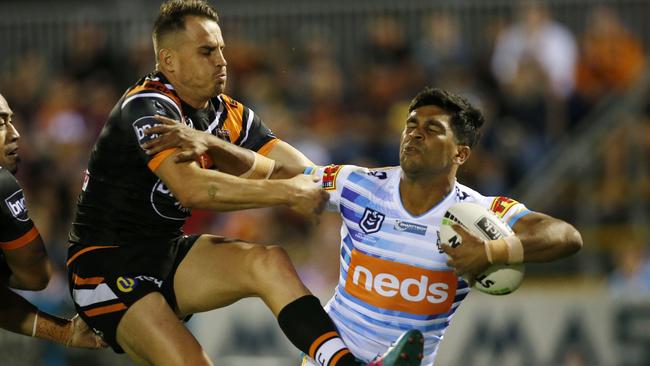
(105, 309)
(234, 121)
(338, 356)
(87, 281)
(154, 86)
(158, 159)
(86, 250)
(266, 148)
(22, 241)
(319, 341)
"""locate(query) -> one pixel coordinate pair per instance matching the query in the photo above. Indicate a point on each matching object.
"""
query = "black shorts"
(105, 280)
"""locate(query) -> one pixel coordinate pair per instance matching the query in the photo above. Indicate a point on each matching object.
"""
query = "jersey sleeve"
(506, 208)
(333, 179)
(247, 128)
(138, 114)
(17, 229)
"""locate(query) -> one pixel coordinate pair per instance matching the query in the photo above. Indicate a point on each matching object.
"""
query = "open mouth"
(410, 149)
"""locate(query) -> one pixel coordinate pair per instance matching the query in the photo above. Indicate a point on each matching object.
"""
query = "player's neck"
(186, 94)
(420, 194)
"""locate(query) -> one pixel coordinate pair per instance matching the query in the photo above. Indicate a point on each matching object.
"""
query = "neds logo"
(16, 205)
(143, 124)
(402, 287)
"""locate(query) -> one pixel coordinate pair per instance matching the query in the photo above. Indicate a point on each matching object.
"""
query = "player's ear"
(166, 59)
(462, 154)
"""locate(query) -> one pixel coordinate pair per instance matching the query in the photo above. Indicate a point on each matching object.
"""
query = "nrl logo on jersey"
(16, 205)
(371, 221)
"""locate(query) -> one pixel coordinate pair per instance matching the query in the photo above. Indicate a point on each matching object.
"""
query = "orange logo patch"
(501, 205)
(401, 287)
(329, 177)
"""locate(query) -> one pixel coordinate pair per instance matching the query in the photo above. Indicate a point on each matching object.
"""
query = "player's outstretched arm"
(542, 238)
(28, 266)
(200, 188)
(546, 238)
(19, 316)
(288, 155)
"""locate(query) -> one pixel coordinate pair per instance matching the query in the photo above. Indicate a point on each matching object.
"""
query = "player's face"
(200, 65)
(428, 145)
(8, 138)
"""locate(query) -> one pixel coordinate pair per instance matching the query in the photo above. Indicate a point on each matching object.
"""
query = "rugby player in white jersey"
(394, 275)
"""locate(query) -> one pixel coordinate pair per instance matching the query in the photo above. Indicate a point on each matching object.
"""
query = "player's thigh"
(217, 272)
(151, 334)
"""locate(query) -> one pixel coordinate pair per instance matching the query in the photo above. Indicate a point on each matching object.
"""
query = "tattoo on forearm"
(212, 191)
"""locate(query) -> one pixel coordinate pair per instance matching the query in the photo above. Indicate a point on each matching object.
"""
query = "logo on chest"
(392, 285)
(371, 221)
(165, 204)
(222, 133)
(410, 227)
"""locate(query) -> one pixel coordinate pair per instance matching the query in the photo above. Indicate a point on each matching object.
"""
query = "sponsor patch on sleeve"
(141, 125)
(329, 177)
(16, 205)
(501, 205)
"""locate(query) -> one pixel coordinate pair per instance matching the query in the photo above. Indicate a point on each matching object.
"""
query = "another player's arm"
(195, 187)
(29, 267)
(19, 316)
(288, 155)
(21, 244)
(232, 159)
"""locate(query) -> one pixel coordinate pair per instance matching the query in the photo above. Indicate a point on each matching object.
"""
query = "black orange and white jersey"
(16, 228)
(122, 200)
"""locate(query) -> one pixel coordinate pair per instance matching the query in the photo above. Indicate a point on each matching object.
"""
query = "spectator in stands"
(537, 38)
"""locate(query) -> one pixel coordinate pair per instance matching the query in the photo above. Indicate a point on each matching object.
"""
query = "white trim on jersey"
(152, 95)
(251, 115)
(215, 123)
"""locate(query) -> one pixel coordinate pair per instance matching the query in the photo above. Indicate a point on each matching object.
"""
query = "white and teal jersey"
(393, 275)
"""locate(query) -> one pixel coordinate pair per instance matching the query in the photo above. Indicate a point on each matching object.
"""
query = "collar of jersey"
(400, 204)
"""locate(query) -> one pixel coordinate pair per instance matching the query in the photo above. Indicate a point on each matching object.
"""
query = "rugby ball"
(497, 279)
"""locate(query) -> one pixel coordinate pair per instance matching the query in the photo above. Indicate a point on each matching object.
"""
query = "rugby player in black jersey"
(23, 260)
(132, 272)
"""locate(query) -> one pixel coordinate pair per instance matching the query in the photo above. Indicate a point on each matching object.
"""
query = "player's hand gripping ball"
(497, 279)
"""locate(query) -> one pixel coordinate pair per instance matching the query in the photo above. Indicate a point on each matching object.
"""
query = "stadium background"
(566, 135)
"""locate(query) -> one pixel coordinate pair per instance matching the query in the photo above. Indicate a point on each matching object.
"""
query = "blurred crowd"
(534, 78)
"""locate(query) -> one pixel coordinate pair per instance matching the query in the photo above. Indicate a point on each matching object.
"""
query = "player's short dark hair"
(466, 120)
(171, 17)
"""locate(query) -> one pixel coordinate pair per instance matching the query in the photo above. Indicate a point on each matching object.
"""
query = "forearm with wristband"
(53, 328)
(505, 250)
(262, 168)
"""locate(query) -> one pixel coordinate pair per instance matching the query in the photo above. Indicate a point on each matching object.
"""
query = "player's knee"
(182, 358)
(272, 262)
(198, 359)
